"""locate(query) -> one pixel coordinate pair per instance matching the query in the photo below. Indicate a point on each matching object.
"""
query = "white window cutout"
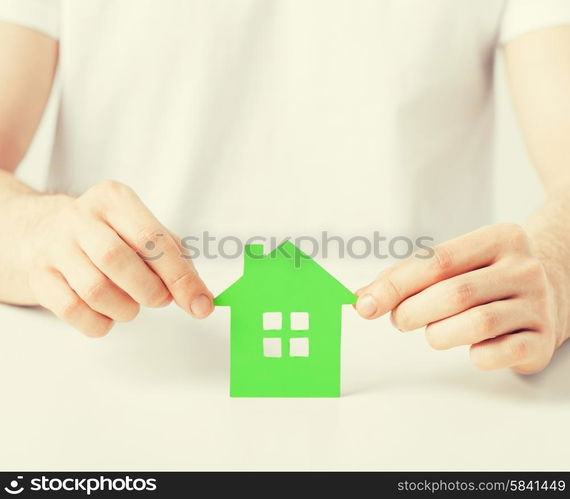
(299, 347)
(272, 321)
(299, 321)
(272, 347)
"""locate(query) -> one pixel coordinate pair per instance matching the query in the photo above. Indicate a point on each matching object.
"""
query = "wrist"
(560, 294)
(39, 214)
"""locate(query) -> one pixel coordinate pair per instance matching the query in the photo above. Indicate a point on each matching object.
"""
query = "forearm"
(22, 210)
(549, 231)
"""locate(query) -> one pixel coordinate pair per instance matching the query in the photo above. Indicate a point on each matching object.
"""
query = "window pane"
(299, 321)
(272, 347)
(299, 347)
(272, 320)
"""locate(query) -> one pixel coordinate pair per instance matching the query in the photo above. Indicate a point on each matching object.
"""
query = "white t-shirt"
(284, 117)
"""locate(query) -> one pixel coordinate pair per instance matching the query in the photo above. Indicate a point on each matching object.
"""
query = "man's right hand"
(96, 258)
(76, 257)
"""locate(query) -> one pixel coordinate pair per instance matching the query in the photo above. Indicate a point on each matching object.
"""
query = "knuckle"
(462, 294)
(147, 235)
(113, 188)
(485, 321)
(110, 254)
(540, 357)
(541, 313)
(516, 236)
(90, 201)
(442, 261)
(532, 270)
(73, 215)
(86, 204)
(186, 279)
(95, 290)
(518, 348)
(68, 309)
(158, 297)
(392, 289)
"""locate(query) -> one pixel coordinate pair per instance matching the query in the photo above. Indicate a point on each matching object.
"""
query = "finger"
(177, 272)
(96, 289)
(523, 351)
(116, 259)
(454, 295)
(140, 229)
(53, 292)
(457, 256)
(200, 298)
(481, 323)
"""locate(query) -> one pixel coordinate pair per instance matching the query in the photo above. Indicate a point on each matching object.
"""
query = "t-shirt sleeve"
(522, 16)
(40, 15)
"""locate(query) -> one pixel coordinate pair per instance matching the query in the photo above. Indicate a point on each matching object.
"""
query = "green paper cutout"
(285, 281)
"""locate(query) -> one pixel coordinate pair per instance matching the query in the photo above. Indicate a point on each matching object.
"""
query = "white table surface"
(153, 395)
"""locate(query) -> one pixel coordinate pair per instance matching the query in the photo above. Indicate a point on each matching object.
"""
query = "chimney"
(252, 255)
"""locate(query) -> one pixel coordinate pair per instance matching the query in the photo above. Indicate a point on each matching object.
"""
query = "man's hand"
(81, 258)
(95, 259)
(485, 289)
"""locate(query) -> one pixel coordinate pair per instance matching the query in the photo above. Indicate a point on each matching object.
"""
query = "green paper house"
(285, 325)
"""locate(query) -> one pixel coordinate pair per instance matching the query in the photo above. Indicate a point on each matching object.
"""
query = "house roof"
(285, 271)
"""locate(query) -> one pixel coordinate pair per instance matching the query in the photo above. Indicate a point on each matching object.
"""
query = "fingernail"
(366, 306)
(201, 306)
